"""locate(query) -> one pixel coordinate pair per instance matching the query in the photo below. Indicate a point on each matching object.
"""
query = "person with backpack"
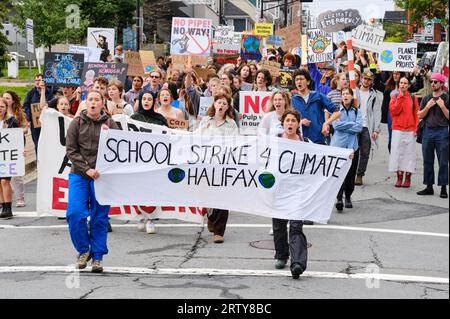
(403, 108)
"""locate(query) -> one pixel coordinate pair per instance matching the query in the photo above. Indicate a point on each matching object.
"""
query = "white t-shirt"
(270, 125)
(363, 105)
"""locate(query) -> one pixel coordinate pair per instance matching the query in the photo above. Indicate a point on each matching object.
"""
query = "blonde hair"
(287, 99)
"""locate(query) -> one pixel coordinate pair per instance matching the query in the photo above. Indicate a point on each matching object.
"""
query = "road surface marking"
(226, 272)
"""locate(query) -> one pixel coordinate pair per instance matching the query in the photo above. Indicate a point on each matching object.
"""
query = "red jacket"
(404, 115)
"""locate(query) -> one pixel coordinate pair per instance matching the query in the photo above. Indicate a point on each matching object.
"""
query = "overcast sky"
(367, 8)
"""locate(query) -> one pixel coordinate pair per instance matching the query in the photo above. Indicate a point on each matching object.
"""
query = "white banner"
(252, 107)
(12, 161)
(191, 36)
(269, 176)
(401, 57)
(54, 169)
(368, 37)
(320, 46)
(90, 54)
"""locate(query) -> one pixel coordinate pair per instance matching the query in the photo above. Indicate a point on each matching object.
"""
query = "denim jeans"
(435, 140)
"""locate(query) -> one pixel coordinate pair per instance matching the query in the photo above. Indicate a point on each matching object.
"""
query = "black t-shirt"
(435, 117)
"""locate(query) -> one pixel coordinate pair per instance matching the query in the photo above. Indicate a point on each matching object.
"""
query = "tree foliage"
(50, 21)
(395, 32)
(425, 9)
(4, 42)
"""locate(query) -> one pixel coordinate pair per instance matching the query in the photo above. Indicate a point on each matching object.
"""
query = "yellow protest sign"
(263, 29)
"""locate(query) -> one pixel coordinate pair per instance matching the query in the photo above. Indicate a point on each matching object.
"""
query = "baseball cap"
(367, 74)
(271, 56)
(329, 65)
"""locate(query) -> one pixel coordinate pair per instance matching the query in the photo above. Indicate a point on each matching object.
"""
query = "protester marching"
(212, 121)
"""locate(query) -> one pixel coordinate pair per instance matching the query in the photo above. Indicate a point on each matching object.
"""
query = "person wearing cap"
(370, 101)
(435, 114)
(322, 80)
(344, 66)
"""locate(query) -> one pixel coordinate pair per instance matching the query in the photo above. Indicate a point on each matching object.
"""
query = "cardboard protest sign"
(273, 67)
(179, 62)
(286, 79)
(320, 46)
(400, 57)
(291, 35)
(252, 105)
(148, 61)
(251, 47)
(35, 114)
(54, 168)
(334, 21)
(205, 104)
(63, 69)
(223, 34)
(116, 71)
(263, 29)
(133, 59)
(203, 73)
(275, 40)
(177, 124)
(102, 38)
(249, 174)
(368, 37)
(90, 54)
(191, 36)
(12, 161)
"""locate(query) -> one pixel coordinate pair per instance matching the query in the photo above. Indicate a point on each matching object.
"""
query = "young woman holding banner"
(81, 147)
(297, 246)
(146, 113)
(219, 121)
(6, 121)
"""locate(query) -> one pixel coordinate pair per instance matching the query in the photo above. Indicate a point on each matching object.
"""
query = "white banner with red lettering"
(54, 168)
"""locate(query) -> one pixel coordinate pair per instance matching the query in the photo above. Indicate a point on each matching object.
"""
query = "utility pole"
(221, 22)
(285, 13)
(138, 25)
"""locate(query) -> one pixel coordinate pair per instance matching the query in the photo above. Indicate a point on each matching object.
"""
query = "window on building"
(7, 33)
(240, 25)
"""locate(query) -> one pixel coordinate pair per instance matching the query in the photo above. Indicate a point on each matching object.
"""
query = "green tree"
(395, 32)
(4, 42)
(109, 14)
(421, 10)
(52, 24)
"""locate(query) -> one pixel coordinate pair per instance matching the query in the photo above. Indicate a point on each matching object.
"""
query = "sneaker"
(296, 271)
(150, 227)
(97, 266)
(359, 180)
(339, 205)
(348, 203)
(443, 192)
(280, 263)
(308, 222)
(426, 191)
(141, 225)
(83, 259)
(271, 231)
(109, 228)
(20, 203)
(218, 239)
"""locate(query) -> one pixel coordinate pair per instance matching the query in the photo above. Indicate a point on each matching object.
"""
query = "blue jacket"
(316, 75)
(346, 129)
(314, 111)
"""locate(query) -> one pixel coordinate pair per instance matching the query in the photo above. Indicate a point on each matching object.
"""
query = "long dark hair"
(17, 109)
(390, 83)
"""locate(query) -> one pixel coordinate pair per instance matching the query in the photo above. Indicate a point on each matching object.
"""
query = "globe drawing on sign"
(320, 44)
(251, 44)
(387, 56)
(267, 180)
(64, 70)
(176, 175)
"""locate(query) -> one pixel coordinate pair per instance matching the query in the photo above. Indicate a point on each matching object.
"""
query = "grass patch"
(23, 73)
(20, 90)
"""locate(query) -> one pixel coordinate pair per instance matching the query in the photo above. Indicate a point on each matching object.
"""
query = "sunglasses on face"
(435, 82)
(154, 76)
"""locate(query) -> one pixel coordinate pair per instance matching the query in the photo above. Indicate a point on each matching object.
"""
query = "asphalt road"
(393, 244)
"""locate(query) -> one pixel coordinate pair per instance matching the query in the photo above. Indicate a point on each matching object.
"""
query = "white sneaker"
(141, 225)
(20, 203)
(150, 227)
(271, 231)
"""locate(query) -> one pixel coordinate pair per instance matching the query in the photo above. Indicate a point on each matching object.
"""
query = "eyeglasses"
(435, 82)
(154, 76)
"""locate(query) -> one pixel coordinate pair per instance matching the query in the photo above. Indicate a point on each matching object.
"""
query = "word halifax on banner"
(266, 176)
